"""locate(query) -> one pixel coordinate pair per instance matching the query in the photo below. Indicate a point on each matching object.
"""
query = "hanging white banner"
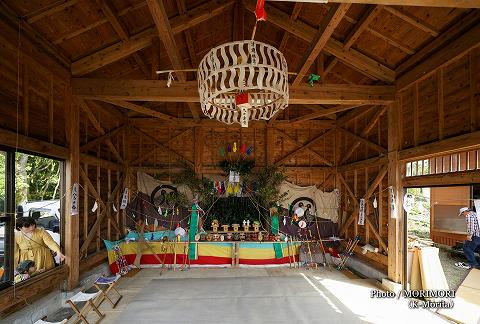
(393, 205)
(124, 199)
(114, 208)
(244, 116)
(361, 212)
(75, 199)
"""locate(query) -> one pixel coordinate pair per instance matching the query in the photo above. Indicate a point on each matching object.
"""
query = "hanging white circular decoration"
(243, 81)
(179, 231)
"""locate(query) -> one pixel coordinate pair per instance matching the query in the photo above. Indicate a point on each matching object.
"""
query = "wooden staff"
(322, 246)
(308, 246)
(293, 255)
(289, 257)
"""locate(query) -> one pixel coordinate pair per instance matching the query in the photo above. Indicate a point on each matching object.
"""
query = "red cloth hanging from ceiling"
(260, 12)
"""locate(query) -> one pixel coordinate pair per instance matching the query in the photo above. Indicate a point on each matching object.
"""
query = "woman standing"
(35, 244)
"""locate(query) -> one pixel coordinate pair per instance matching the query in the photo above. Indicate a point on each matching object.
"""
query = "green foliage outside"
(36, 178)
(419, 217)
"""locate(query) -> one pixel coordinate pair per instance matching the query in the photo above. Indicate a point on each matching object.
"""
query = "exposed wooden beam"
(396, 43)
(323, 113)
(370, 13)
(295, 13)
(143, 39)
(99, 128)
(352, 115)
(365, 141)
(141, 109)
(411, 19)
(49, 10)
(420, 3)
(93, 160)
(371, 123)
(440, 180)
(298, 144)
(351, 57)
(182, 10)
(103, 137)
(159, 15)
(470, 141)
(157, 90)
(162, 146)
(306, 147)
(368, 163)
(327, 27)
(442, 57)
(463, 25)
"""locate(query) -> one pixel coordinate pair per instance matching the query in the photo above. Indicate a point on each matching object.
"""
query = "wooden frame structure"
(88, 94)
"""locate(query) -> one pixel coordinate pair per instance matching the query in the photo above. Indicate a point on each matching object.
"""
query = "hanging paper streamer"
(124, 199)
(75, 199)
(155, 224)
(284, 221)
(223, 187)
(408, 201)
(393, 205)
(159, 210)
(234, 147)
(170, 79)
(243, 148)
(229, 148)
(361, 212)
(375, 204)
(146, 221)
(114, 208)
(95, 206)
(222, 151)
(337, 196)
(312, 78)
(260, 12)
(250, 150)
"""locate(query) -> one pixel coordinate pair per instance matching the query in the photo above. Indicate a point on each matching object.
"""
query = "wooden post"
(396, 219)
(72, 166)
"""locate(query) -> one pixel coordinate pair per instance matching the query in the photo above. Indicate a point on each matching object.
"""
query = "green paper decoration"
(312, 78)
(192, 249)
(222, 151)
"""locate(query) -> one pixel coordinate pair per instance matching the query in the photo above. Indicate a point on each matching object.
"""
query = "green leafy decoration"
(268, 181)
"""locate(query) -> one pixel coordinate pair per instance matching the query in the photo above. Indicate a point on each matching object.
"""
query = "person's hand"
(61, 256)
(469, 238)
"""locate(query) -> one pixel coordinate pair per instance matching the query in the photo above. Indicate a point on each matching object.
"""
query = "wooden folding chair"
(109, 284)
(46, 322)
(82, 303)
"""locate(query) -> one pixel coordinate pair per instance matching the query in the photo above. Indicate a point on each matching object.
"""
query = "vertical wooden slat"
(50, 110)
(355, 191)
(85, 207)
(380, 208)
(98, 209)
(441, 113)
(416, 134)
(117, 205)
(367, 209)
(473, 86)
(26, 99)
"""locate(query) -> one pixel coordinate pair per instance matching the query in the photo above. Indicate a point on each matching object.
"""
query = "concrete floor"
(322, 296)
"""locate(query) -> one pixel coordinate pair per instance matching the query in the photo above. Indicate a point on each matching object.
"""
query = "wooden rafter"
(370, 13)
(325, 112)
(298, 144)
(103, 137)
(352, 115)
(396, 43)
(372, 122)
(306, 147)
(365, 141)
(146, 156)
(98, 127)
(49, 10)
(162, 146)
(442, 57)
(351, 57)
(295, 13)
(159, 15)
(143, 39)
(116, 24)
(141, 109)
(420, 3)
(156, 90)
(182, 10)
(411, 19)
(441, 41)
(327, 27)
(316, 108)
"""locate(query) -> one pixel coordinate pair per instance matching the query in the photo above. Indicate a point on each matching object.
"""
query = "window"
(30, 186)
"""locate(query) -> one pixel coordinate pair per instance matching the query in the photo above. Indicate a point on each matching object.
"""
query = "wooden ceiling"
(346, 43)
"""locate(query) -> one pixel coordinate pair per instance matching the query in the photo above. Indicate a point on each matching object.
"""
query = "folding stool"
(110, 283)
(82, 303)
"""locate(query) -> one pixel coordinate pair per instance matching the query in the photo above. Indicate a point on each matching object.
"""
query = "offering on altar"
(256, 226)
(242, 236)
(215, 237)
(225, 227)
(229, 236)
(246, 228)
(236, 227)
(215, 225)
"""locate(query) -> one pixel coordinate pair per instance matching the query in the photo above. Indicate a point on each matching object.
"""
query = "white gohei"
(248, 66)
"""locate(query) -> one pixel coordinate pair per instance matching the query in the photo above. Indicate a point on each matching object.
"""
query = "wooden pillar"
(72, 166)
(395, 217)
